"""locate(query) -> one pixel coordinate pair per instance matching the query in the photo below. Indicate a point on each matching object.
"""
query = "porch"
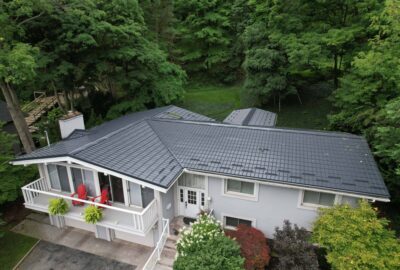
(119, 217)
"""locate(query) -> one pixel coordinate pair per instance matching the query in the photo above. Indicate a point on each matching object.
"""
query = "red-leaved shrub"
(253, 246)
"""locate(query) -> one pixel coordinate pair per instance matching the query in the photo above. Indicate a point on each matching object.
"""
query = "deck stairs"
(37, 108)
(168, 254)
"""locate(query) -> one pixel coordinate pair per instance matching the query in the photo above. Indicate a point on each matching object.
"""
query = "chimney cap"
(70, 114)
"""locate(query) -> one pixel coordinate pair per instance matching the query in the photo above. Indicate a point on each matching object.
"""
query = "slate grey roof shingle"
(251, 117)
(155, 148)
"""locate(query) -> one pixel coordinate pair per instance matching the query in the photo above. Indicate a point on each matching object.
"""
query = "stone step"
(166, 261)
(162, 267)
(168, 253)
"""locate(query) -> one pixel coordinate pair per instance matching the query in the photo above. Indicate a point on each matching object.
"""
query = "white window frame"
(311, 206)
(223, 221)
(239, 195)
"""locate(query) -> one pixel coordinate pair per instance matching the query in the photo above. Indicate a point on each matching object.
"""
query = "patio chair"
(102, 198)
(81, 193)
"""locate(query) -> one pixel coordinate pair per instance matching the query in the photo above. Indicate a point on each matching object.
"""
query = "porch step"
(162, 267)
(167, 255)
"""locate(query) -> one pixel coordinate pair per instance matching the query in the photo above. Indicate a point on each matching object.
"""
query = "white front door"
(189, 202)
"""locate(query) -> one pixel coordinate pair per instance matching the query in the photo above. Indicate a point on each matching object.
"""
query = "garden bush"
(205, 247)
(293, 248)
(253, 246)
(355, 238)
(93, 214)
(58, 207)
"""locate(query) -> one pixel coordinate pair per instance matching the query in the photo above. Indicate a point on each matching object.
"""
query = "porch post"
(157, 197)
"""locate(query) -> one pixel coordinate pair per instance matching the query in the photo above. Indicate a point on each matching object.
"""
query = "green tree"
(356, 239)
(204, 36)
(367, 99)
(12, 177)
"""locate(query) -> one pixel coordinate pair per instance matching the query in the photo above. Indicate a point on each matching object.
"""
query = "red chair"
(102, 198)
(82, 194)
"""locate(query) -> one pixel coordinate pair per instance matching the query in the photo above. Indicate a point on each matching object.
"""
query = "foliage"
(93, 214)
(12, 178)
(367, 100)
(58, 207)
(355, 238)
(293, 249)
(253, 246)
(50, 124)
(206, 247)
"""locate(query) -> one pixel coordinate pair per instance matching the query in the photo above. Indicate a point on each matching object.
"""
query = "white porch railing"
(156, 254)
(140, 221)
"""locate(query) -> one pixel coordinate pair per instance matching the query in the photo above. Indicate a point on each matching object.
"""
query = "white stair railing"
(156, 254)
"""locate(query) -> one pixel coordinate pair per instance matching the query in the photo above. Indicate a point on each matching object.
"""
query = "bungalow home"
(168, 162)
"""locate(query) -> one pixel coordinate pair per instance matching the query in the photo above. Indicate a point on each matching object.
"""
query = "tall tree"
(367, 100)
(18, 58)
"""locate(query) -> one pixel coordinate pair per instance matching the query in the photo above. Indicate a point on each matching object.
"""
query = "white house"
(168, 162)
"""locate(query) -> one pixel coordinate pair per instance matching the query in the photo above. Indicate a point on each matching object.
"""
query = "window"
(352, 201)
(318, 198)
(192, 181)
(181, 194)
(202, 199)
(192, 196)
(58, 177)
(81, 176)
(233, 222)
(235, 187)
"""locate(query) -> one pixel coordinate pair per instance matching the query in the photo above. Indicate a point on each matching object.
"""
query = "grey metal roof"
(251, 117)
(178, 113)
(4, 113)
(156, 150)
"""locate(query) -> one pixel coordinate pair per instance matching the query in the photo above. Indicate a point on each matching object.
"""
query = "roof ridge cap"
(108, 135)
(315, 132)
(163, 142)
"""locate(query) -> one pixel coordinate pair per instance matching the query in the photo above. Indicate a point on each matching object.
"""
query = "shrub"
(253, 246)
(205, 247)
(293, 249)
(355, 238)
(93, 214)
(58, 207)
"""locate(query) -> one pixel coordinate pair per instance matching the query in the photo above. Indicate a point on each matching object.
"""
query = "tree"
(355, 238)
(203, 35)
(293, 248)
(205, 247)
(11, 177)
(367, 99)
(253, 246)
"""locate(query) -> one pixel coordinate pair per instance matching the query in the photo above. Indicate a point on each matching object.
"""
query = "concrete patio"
(38, 226)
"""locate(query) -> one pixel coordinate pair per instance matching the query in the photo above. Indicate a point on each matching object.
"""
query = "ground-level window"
(233, 222)
(314, 198)
(352, 201)
(240, 187)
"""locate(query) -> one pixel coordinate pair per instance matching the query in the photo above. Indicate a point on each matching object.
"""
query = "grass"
(217, 101)
(13, 247)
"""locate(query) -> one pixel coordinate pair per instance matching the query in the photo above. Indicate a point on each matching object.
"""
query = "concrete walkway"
(49, 256)
(37, 225)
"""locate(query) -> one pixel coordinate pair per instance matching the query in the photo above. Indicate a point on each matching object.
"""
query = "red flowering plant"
(253, 246)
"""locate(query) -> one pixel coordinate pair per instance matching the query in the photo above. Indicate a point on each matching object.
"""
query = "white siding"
(274, 205)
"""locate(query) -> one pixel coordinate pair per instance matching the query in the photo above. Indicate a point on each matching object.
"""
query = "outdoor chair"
(81, 193)
(102, 198)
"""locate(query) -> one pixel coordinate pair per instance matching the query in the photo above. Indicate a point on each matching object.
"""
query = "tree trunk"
(17, 117)
(58, 98)
(335, 72)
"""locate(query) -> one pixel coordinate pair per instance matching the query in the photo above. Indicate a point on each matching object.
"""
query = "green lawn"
(217, 101)
(13, 247)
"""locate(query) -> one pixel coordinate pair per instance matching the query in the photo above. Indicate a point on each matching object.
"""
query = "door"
(117, 189)
(189, 202)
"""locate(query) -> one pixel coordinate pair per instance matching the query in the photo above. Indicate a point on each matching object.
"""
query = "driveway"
(49, 256)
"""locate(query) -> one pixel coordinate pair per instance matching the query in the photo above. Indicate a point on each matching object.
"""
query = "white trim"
(288, 186)
(90, 166)
(239, 195)
(311, 206)
(224, 215)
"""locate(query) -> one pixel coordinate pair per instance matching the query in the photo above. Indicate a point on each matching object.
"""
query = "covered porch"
(118, 216)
